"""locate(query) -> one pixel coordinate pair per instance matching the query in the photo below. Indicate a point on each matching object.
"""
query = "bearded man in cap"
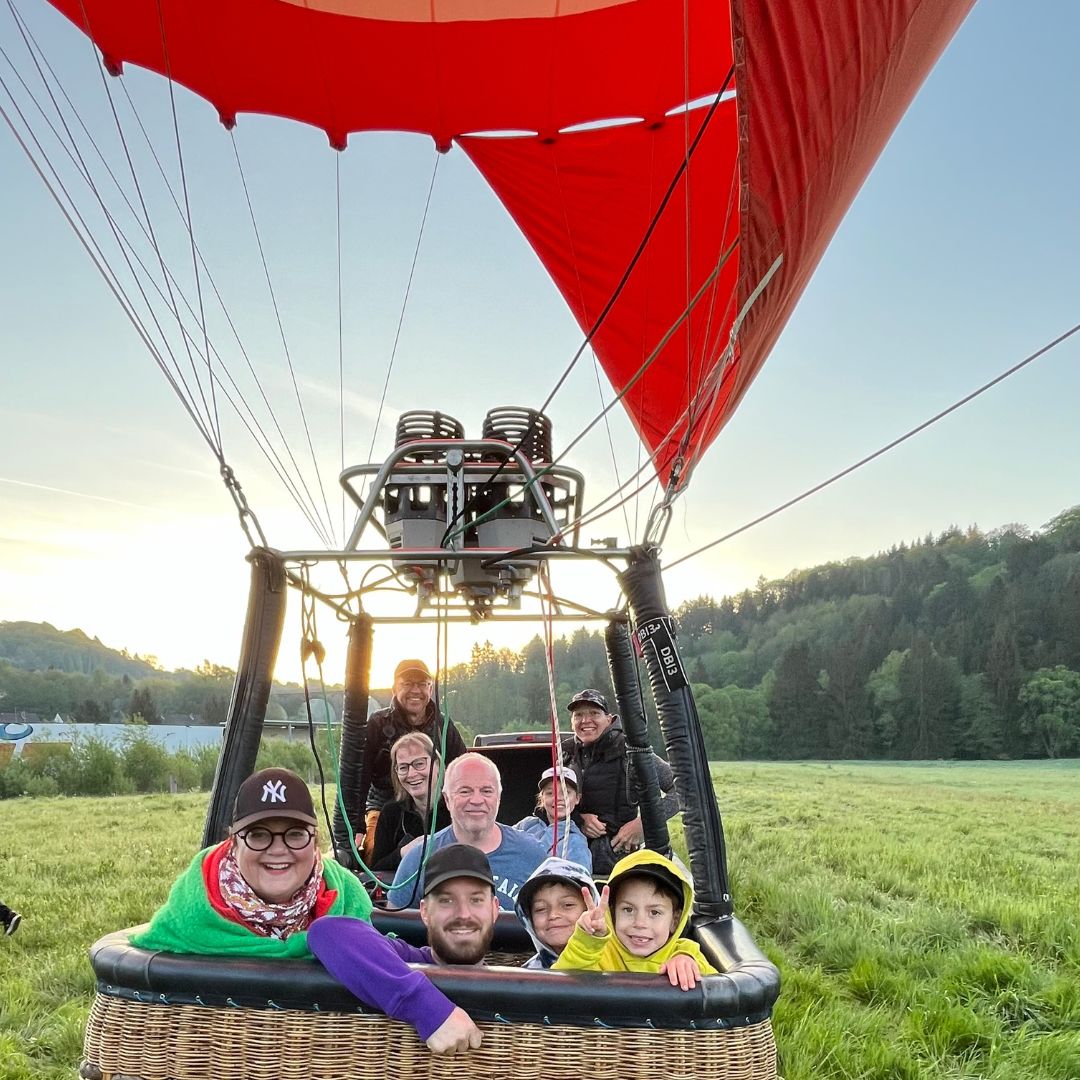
(459, 909)
(607, 812)
(411, 709)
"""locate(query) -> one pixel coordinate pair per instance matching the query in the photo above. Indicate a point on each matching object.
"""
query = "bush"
(90, 766)
(205, 759)
(15, 778)
(282, 754)
(147, 763)
(41, 785)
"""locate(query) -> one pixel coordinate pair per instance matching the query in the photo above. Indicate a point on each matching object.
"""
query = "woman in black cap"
(257, 892)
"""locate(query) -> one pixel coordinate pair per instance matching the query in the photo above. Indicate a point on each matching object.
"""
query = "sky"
(959, 257)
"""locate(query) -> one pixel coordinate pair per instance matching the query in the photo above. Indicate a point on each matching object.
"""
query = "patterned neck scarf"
(260, 916)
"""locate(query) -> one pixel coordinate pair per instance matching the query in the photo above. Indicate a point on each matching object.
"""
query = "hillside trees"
(1050, 710)
(962, 644)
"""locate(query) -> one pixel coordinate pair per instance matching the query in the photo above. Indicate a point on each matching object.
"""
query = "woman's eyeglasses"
(421, 764)
(259, 839)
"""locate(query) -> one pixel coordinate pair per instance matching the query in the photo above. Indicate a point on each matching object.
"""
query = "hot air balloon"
(679, 169)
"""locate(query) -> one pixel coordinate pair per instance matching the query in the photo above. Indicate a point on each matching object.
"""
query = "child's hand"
(592, 920)
(682, 971)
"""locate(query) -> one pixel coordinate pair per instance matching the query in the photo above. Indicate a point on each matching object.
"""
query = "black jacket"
(383, 728)
(399, 822)
(606, 790)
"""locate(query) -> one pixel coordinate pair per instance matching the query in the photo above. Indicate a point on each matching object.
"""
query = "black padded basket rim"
(580, 999)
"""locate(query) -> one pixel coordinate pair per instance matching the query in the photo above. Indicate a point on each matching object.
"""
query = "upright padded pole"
(251, 690)
(679, 721)
(624, 677)
(354, 716)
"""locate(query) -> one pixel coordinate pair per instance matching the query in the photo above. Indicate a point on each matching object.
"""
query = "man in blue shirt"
(473, 789)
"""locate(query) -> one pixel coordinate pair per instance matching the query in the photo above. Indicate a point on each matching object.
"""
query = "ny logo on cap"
(273, 791)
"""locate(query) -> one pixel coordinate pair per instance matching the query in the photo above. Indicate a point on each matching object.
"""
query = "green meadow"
(925, 917)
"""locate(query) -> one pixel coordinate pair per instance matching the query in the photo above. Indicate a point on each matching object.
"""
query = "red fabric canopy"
(584, 202)
(819, 86)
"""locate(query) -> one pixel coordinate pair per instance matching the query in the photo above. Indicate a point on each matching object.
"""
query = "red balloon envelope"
(811, 91)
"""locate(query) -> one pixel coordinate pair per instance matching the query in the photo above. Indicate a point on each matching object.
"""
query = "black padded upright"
(624, 677)
(354, 716)
(679, 721)
(251, 690)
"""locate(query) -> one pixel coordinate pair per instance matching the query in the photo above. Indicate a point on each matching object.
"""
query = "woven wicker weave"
(189, 1042)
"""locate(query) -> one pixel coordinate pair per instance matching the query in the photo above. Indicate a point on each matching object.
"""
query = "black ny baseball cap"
(273, 793)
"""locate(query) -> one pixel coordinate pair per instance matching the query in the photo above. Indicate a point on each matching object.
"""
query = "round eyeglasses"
(420, 764)
(259, 839)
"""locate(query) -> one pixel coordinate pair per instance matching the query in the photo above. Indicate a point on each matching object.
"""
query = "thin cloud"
(358, 404)
(80, 495)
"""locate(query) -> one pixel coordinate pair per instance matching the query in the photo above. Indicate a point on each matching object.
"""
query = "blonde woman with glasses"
(414, 774)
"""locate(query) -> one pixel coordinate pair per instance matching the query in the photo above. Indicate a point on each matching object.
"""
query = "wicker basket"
(163, 1016)
(132, 1039)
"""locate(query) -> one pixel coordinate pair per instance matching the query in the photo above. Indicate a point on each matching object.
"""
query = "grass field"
(926, 918)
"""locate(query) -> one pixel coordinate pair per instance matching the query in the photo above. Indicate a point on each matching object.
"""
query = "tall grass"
(926, 918)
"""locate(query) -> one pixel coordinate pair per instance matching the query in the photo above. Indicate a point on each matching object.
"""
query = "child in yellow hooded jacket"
(638, 923)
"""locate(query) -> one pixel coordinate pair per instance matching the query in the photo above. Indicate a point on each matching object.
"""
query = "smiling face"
(590, 722)
(644, 916)
(277, 873)
(566, 807)
(412, 689)
(472, 796)
(412, 768)
(460, 918)
(555, 911)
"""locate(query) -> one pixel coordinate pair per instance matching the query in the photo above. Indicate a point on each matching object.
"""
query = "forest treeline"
(960, 645)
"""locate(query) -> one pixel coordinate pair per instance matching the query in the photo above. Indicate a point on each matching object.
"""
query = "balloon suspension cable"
(85, 235)
(326, 524)
(679, 474)
(248, 520)
(882, 450)
(311, 648)
(616, 293)
(453, 517)
(441, 693)
(190, 226)
(713, 385)
(402, 311)
(168, 292)
(660, 515)
(547, 603)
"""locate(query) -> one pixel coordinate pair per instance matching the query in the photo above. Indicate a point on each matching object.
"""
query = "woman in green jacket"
(256, 893)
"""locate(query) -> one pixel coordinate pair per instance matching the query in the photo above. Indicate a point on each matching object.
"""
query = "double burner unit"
(471, 513)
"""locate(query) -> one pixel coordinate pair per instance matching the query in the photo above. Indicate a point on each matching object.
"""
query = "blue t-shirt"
(511, 863)
(576, 851)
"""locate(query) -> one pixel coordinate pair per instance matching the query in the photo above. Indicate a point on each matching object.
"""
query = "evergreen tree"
(1003, 674)
(929, 697)
(980, 725)
(90, 712)
(143, 706)
(796, 706)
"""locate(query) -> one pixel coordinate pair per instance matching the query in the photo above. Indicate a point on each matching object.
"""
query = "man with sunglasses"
(411, 710)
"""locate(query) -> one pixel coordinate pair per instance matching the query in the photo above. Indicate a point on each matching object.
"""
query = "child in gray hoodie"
(549, 904)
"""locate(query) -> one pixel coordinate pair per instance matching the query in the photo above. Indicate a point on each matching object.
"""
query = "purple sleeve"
(376, 969)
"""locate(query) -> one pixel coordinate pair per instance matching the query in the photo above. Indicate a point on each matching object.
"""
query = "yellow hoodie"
(584, 952)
